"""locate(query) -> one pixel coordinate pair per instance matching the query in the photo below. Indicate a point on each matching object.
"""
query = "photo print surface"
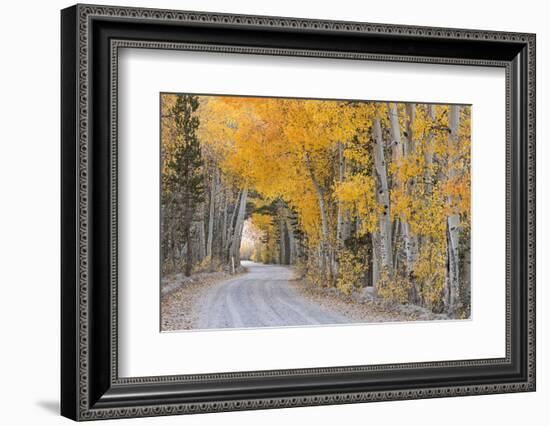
(281, 212)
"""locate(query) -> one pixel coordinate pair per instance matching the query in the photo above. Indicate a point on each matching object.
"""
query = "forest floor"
(363, 308)
(269, 296)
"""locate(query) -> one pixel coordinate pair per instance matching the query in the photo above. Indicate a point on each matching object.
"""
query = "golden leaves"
(352, 270)
(357, 195)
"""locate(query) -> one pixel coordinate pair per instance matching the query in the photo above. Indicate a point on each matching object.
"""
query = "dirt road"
(263, 297)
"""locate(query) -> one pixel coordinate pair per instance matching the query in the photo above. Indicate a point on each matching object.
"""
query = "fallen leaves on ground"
(363, 308)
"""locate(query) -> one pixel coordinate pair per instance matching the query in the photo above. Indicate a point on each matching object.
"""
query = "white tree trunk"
(231, 227)
(282, 246)
(223, 240)
(237, 234)
(340, 217)
(428, 155)
(409, 140)
(395, 132)
(383, 239)
(453, 272)
(202, 241)
(375, 259)
(213, 191)
(326, 249)
(429, 180)
(399, 149)
(410, 148)
(292, 241)
(321, 197)
(397, 232)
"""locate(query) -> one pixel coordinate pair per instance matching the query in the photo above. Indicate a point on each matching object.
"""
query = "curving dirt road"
(263, 297)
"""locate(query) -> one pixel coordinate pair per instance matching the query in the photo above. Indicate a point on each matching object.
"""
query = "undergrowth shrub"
(352, 271)
(396, 288)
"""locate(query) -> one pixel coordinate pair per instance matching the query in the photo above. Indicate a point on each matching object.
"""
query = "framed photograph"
(263, 212)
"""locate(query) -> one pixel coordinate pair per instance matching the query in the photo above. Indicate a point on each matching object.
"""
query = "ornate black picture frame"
(91, 36)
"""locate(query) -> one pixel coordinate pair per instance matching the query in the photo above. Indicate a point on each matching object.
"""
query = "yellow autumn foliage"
(394, 288)
(289, 149)
(357, 194)
(353, 270)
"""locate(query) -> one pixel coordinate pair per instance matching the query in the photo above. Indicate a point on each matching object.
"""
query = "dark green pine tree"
(188, 182)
